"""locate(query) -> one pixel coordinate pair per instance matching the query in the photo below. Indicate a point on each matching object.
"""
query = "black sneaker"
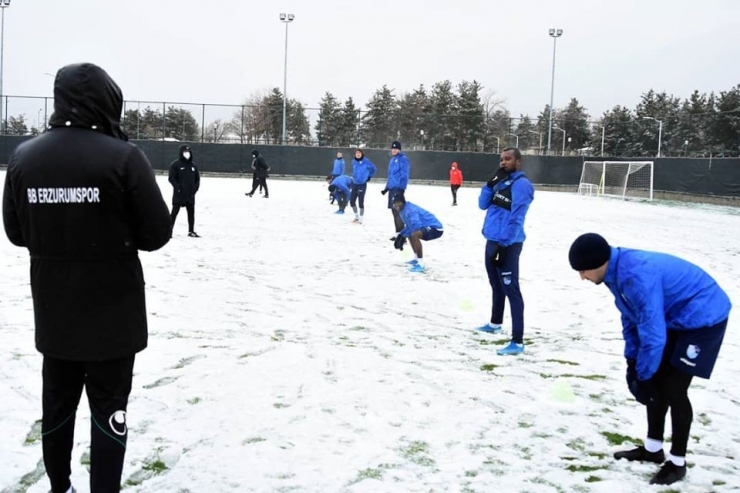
(193, 234)
(640, 454)
(669, 474)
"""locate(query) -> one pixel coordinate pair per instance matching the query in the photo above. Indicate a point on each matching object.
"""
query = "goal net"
(622, 179)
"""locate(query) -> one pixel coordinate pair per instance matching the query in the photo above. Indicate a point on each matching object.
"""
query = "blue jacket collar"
(611, 270)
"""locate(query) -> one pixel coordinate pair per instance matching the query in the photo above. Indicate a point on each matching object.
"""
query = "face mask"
(186, 155)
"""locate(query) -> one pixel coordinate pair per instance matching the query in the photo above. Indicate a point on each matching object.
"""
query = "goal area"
(621, 179)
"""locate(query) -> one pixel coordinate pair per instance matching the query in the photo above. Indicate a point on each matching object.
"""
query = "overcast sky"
(220, 51)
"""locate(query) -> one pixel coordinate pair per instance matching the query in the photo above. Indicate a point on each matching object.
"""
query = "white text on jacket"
(63, 195)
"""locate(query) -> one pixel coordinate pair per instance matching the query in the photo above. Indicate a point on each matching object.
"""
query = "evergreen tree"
(329, 121)
(442, 127)
(379, 122)
(470, 123)
(349, 125)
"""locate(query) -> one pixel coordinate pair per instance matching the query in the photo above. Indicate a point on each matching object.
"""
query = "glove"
(398, 243)
(384, 191)
(497, 258)
(644, 391)
(631, 375)
(500, 175)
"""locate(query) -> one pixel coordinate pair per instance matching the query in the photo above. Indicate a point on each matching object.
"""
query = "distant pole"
(603, 130)
(287, 19)
(3, 5)
(660, 131)
(554, 34)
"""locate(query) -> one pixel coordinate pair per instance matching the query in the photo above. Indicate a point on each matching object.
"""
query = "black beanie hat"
(589, 251)
(396, 145)
(255, 153)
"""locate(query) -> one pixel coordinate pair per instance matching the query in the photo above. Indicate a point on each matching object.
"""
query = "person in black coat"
(185, 181)
(83, 201)
(260, 167)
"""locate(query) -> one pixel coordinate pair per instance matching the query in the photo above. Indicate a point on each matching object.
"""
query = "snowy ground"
(291, 351)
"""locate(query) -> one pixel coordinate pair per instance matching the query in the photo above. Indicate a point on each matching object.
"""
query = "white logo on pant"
(117, 423)
(693, 351)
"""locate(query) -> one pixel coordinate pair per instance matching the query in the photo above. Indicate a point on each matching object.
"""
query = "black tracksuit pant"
(191, 215)
(672, 386)
(261, 183)
(108, 385)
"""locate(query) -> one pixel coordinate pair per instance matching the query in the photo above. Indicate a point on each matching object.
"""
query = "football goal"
(622, 179)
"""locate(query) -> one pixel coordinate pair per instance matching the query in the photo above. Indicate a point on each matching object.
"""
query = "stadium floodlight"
(554, 34)
(3, 5)
(517, 139)
(660, 130)
(286, 19)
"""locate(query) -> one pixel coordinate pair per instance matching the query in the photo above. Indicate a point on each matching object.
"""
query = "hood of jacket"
(85, 96)
(184, 148)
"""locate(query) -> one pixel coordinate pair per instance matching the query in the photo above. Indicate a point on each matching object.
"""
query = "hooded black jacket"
(84, 201)
(184, 178)
(259, 165)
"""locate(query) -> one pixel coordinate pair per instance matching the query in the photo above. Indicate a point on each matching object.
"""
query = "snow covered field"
(291, 351)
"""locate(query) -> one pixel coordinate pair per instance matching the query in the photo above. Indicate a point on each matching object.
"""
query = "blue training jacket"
(656, 292)
(362, 170)
(414, 218)
(338, 167)
(343, 183)
(399, 168)
(506, 206)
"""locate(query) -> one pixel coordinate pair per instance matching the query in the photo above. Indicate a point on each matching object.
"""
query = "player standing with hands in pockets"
(84, 202)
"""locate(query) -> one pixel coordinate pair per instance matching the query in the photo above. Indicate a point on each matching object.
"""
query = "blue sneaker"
(417, 268)
(412, 262)
(511, 350)
(340, 211)
(490, 330)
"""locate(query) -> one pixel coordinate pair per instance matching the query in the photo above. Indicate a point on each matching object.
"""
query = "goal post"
(621, 179)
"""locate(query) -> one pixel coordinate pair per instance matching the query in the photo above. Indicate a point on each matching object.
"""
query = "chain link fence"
(704, 135)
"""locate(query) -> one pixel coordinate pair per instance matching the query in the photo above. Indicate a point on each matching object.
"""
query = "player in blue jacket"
(418, 225)
(340, 188)
(674, 317)
(362, 170)
(506, 198)
(337, 170)
(399, 169)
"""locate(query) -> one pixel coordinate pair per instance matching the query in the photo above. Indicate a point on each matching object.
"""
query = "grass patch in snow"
(488, 367)
(582, 468)
(416, 452)
(563, 362)
(619, 439)
(34, 434)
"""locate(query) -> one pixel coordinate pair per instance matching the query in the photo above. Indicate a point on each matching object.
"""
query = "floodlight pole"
(3, 5)
(286, 19)
(554, 34)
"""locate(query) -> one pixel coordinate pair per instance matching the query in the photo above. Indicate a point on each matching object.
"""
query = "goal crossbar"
(622, 179)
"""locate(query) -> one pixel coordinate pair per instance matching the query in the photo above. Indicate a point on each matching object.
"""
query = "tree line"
(461, 117)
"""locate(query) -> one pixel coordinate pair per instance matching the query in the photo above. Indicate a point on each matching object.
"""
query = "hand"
(400, 240)
(501, 174)
(384, 191)
(644, 391)
(497, 258)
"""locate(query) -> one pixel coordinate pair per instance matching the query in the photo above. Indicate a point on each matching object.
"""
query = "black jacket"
(259, 165)
(84, 201)
(184, 178)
